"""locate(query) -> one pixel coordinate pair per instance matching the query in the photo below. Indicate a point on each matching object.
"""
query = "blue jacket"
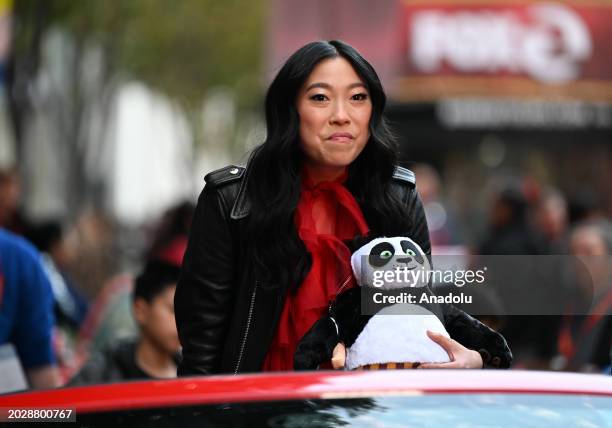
(26, 302)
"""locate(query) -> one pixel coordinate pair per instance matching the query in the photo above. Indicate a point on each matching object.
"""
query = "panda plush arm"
(343, 323)
(346, 311)
(317, 345)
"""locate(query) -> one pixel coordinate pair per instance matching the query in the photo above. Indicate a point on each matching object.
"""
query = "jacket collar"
(242, 205)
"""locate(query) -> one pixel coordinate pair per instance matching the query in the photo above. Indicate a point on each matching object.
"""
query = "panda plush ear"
(358, 241)
(354, 245)
(356, 258)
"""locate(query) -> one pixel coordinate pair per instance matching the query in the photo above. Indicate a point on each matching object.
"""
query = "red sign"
(515, 49)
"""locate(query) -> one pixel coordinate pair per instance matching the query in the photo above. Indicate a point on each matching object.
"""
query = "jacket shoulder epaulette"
(405, 175)
(224, 175)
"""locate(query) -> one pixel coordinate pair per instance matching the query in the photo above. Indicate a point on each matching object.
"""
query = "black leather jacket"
(226, 319)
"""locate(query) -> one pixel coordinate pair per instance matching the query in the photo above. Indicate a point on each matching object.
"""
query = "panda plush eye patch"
(381, 254)
(410, 249)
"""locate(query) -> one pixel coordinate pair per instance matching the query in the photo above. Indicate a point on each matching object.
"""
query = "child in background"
(154, 354)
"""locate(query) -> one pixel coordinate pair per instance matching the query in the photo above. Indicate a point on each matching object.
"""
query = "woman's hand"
(339, 356)
(461, 357)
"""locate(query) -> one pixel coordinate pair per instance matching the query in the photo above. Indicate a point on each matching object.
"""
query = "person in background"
(11, 217)
(155, 353)
(509, 236)
(169, 238)
(26, 310)
(70, 305)
(509, 230)
(48, 236)
(585, 338)
(110, 318)
(585, 204)
(551, 220)
(443, 228)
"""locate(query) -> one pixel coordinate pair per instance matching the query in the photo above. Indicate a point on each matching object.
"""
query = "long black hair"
(273, 179)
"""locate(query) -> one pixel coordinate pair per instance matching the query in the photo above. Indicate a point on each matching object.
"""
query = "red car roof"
(311, 385)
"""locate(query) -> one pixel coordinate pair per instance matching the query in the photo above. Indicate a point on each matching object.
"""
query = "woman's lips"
(341, 137)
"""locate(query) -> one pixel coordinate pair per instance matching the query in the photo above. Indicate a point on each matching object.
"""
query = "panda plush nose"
(405, 260)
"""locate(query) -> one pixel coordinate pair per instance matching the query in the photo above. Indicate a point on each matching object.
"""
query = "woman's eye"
(318, 97)
(360, 97)
(386, 255)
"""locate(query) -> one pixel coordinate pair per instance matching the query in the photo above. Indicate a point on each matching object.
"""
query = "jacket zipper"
(246, 331)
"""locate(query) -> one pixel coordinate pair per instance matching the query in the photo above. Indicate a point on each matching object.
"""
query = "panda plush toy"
(394, 336)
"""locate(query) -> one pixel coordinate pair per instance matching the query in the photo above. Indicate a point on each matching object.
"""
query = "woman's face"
(335, 109)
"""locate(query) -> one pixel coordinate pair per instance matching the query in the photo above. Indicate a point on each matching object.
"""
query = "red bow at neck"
(327, 214)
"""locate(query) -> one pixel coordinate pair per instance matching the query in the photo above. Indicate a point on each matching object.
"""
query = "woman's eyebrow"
(356, 85)
(318, 85)
(328, 86)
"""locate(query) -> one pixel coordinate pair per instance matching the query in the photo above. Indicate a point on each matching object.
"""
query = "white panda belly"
(398, 333)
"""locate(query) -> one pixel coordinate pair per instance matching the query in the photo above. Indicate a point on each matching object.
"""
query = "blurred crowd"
(63, 333)
(525, 218)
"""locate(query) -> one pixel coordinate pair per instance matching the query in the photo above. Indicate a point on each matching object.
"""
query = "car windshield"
(437, 410)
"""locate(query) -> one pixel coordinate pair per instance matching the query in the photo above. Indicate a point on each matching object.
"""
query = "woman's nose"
(339, 114)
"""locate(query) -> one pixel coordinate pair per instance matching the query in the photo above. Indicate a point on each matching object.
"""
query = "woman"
(265, 254)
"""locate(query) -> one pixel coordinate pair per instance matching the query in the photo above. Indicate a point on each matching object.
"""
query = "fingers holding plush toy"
(317, 346)
(461, 357)
(339, 356)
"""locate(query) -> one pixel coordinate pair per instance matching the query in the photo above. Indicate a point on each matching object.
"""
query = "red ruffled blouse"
(327, 214)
